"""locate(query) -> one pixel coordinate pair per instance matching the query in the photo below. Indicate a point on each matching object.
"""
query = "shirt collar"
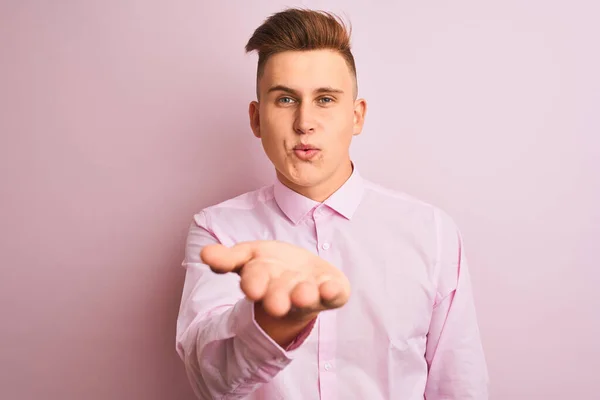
(344, 201)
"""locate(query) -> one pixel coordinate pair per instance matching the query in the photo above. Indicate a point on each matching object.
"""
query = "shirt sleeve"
(454, 353)
(225, 352)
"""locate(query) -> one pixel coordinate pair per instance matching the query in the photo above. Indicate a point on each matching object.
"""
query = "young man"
(323, 285)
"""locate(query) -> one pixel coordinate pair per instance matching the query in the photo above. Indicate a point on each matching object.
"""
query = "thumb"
(222, 259)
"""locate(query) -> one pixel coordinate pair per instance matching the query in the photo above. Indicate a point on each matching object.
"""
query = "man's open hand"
(281, 277)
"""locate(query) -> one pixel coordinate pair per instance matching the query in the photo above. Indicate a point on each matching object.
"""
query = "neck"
(323, 190)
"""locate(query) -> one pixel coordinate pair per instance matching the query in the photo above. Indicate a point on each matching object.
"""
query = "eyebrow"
(283, 88)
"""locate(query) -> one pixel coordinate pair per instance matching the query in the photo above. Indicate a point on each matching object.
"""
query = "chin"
(304, 177)
(308, 182)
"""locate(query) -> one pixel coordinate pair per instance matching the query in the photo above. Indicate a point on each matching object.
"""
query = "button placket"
(327, 321)
(318, 215)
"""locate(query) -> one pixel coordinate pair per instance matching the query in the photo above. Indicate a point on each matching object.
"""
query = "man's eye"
(286, 100)
(326, 100)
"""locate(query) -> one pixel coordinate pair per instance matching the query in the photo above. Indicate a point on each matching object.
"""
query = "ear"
(360, 112)
(253, 113)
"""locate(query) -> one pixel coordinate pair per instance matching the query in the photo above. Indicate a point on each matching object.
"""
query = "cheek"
(271, 144)
(277, 124)
(274, 115)
(343, 126)
(341, 117)
(273, 141)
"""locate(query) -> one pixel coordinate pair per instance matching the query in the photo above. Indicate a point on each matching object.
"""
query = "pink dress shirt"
(408, 331)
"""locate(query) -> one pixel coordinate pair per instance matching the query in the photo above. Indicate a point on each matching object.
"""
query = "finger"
(305, 296)
(255, 281)
(332, 294)
(276, 301)
(222, 259)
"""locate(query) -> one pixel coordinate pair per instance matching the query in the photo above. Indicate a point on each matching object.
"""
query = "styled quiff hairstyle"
(297, 29)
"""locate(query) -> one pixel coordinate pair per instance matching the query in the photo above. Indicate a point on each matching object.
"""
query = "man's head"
(307, 110)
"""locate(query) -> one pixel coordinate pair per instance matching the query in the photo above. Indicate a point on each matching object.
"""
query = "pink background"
(120, 119)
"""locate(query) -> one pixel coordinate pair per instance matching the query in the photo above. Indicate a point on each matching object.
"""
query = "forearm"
(227, 353)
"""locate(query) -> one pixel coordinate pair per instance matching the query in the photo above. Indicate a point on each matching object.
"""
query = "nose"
(305, 121)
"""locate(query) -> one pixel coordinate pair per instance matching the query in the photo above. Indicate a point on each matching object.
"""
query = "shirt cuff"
(297, 342)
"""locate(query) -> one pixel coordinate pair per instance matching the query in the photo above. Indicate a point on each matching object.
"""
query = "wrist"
(282, 330)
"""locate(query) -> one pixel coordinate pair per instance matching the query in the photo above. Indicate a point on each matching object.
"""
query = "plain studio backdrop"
(120, 119)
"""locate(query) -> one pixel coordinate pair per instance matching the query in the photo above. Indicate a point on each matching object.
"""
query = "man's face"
(306, 117)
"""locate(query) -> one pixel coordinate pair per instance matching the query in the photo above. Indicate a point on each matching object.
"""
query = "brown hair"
(296, 29)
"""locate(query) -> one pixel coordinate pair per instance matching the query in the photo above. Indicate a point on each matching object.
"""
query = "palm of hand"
(281, 276)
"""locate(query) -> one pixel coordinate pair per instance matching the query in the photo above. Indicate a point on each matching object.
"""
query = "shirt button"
(326, 246)
(327, 366)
